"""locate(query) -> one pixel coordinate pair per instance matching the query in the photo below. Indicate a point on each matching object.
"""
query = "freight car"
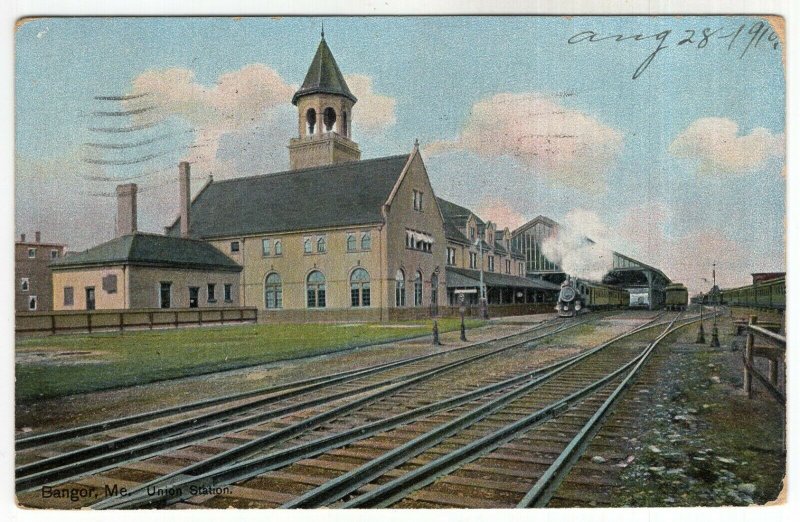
(677, 297)
(578, 295)
(765, 294)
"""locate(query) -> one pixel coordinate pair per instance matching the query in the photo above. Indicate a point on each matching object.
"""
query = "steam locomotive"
(579, 295)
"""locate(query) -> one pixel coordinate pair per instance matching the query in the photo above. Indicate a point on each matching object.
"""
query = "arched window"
(359, 287)
(351, 242)
(311, 121)
(321, 245)
(307, 245)
(329, 119)
(418, 289)
(278, 247)
(345, 130)
(273, 291)
(399, 289)
(366, 241)
(315, 290)
(434, 289)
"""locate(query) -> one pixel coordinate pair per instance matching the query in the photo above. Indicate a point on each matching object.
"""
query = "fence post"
(199, 317)
(53, 323)
(150, 319)
(89, 322)
(748, 358)
(121, 320)
(176, 319)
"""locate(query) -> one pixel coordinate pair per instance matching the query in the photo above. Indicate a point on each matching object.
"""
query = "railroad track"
(324, 399)
(471, 407)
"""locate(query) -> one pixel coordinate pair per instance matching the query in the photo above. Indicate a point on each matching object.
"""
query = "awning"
(464, 278)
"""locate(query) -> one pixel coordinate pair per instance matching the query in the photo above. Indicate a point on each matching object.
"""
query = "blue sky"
(431, 73)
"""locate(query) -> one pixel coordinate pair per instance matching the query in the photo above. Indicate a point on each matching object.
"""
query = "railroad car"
(765, 294)
(580, 295)
(677, 297)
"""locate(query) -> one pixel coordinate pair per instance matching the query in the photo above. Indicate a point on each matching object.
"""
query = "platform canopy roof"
(466, 278)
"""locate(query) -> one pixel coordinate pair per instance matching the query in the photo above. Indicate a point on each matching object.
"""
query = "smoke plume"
(580, 246)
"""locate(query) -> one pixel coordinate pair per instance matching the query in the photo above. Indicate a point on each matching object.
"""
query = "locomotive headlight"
(577, 306)
(565, 308)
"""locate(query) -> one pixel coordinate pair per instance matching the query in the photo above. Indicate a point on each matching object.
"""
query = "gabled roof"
(324, 76)
(538, 219)
(345, 194)
(456, 213)
(142, 249)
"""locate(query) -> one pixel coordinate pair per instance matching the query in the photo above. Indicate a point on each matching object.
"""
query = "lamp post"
(483, 305)
(701, 334)
(715, 291)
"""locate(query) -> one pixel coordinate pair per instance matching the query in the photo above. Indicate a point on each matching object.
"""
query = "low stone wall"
(33, 323)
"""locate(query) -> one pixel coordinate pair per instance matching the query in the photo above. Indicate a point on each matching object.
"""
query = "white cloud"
(500, 213)
(373, 113)
(563, 146)
(717, 144)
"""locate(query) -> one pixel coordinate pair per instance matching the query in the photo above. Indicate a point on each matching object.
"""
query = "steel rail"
(304, 385)
(541, 492)
(102, 456)
(337, 488)
(189, 477)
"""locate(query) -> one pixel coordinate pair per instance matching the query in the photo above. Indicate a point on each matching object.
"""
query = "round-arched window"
(311, 121)
(315, 290)
(329, 119)
(359, 288)
(400, 289)
(273, 291)
(418, 289)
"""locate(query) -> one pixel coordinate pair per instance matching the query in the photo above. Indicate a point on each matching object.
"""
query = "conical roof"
(323, 76)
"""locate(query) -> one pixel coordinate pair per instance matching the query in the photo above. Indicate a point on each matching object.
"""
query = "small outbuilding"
(141, 270)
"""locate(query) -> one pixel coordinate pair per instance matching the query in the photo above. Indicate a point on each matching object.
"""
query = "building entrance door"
(194, 296)
(90, 304)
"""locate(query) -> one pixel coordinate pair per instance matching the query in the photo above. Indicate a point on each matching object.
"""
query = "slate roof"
(324, 76)
(346, 194)
(142, 249)
(464, 278)
(456, 213)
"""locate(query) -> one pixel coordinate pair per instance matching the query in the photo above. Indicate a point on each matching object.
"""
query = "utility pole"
(483, 305)
(715, 290)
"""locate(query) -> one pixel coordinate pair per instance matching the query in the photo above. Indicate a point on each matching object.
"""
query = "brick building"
(33, 289)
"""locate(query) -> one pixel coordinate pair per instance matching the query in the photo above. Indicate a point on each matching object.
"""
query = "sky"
(667, 144)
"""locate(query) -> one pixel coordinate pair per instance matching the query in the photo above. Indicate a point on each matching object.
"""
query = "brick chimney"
(126, 209)
(185, 196)
(22, 238)
(38, 236)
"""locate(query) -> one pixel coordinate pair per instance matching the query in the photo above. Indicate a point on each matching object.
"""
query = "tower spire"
(322, 32)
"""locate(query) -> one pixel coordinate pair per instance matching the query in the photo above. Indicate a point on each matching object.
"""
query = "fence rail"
(31, 323)
(775, 353)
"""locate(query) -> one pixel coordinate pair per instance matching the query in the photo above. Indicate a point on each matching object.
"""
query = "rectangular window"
(69, 296)
(322, 245)
(110, 284)
(307, 245)
(194, 296)
(278, 247)
(24, 284)
(32, 253)
(491, 263)
(165, 294)
(366, 241)
(473, 260)
(212, 291)
(508, 266)
(351, 242)
(266, 247)
(451, 256)
(228, 289)
(234, 246)
(33, 303)
(417, 200)
(54, 254)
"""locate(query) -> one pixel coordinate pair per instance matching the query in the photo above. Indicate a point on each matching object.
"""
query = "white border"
(21, 8)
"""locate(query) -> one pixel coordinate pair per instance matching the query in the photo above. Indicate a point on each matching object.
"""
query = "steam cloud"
(570, 247)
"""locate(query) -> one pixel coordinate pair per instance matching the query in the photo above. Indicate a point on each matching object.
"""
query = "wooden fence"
(31, 323)
(774, 352)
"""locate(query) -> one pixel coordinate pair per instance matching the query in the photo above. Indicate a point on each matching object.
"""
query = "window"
(278, 247)
(69, 296)
(315, 290)
(33, 303)
(329, 119)
(399, 289)
(307, 245)
(234, 246)
(522, 269)
(418, 289)
(351, 242)
(417, 200)
(419, 241)
(435, 289)
(366, 241)
(451, 256)
(212, 293)
(54, 254)
(359, 287)
(24, 284)
(311, 121)
(228, 289)
(110, 284)
(472, 232)
(273, 291)
(32, 253)
(194, 296)
(165, 294)
(508, 266)
(473, 260)
(491, 263)
(266, 247)
(321, 245)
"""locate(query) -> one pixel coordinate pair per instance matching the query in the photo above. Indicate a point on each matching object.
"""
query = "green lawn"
(116, 360)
